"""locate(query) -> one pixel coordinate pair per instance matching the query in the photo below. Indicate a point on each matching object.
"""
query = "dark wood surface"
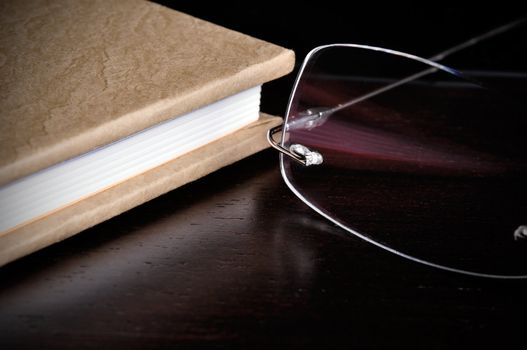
(235, 259)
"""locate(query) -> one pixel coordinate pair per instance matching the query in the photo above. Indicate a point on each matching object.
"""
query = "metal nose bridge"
(297, 152)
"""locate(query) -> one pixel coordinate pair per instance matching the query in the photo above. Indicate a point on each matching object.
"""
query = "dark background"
(235, 260)
(422, 28)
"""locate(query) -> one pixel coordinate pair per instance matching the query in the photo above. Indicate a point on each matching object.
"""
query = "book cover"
(80, 75)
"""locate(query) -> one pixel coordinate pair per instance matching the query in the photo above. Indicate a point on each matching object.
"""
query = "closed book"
(108, 104)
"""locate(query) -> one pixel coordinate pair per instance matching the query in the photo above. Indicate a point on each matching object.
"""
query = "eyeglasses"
(433, 162)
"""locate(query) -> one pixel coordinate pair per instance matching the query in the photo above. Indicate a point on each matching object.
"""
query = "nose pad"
(311, 157)
(299, 153)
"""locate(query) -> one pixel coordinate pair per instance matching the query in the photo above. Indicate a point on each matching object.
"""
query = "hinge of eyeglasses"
(299, 153)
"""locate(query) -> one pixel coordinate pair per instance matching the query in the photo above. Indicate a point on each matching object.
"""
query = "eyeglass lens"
(416, 159)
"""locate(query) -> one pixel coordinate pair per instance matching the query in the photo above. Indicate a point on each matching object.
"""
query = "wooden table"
(234, 259)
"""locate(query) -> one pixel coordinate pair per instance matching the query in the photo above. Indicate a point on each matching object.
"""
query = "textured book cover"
(78, 75)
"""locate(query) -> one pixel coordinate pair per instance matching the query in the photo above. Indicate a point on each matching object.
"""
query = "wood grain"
(234, 259)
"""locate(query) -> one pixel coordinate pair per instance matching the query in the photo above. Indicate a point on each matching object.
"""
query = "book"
(108, 104)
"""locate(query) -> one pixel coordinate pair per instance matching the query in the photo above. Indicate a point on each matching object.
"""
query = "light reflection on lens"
(433, 169)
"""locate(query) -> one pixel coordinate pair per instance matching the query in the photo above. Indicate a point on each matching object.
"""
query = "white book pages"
(53, 188)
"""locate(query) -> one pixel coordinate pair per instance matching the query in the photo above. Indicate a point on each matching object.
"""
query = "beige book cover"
(77, 75)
